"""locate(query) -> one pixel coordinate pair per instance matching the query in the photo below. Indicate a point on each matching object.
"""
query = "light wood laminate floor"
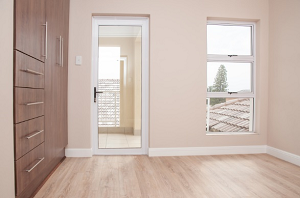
(196, 176)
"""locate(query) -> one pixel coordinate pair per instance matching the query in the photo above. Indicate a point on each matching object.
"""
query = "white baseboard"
(223, 150)
(79, 152)
(188, 151)
(286, 156)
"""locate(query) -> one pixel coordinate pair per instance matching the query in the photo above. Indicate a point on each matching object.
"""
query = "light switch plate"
(78, 60)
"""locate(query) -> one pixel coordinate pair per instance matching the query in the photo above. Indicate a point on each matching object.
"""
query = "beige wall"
(6, 95)
(284, 79)
(177, 68)
(177, 73)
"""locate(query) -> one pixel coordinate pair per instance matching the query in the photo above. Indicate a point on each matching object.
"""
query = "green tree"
(220, 85)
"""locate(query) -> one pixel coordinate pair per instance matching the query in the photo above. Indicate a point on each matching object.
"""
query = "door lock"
(95, 93)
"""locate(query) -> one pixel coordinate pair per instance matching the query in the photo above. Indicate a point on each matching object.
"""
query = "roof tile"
(230, 116)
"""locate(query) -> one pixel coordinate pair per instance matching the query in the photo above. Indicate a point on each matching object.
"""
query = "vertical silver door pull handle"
(40, 160)
(62, 52)
(32, 72)
(46, 40)
(33, 103)
(41, 131)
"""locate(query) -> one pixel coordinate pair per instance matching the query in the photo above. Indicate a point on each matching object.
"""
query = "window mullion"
(226, 58)
(227, 95)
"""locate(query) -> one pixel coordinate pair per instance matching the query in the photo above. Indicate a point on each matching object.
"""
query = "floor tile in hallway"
(116, 140)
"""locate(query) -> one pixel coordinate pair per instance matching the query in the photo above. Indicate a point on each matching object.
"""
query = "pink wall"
(177, 73)
(177, 68)
(7, 188)
(284, 76)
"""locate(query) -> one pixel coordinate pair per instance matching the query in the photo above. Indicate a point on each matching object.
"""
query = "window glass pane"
(226, 76)
(228, 40)
(229, 114)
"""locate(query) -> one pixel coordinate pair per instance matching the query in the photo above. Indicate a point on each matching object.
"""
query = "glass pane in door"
(119, 78)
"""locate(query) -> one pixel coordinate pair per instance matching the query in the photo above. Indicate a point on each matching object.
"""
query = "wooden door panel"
(28, 135)
(49, 88)
(29, 29)
(29, 72)
(64, 135)
(29, 103)
(31, 161)
(60, 79)
(53, 86)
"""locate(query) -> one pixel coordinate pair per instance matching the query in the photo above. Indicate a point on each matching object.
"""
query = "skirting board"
(286, 156)
(188, 151)
(85, 152)
(223, 150)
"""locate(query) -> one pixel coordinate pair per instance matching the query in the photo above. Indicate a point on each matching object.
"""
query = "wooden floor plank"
(129, 184)
(233, 176)
(148, 178)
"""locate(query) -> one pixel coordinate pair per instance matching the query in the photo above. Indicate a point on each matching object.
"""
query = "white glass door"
(120, 85)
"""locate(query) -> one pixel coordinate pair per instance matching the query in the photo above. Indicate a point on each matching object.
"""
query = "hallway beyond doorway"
(119, 140)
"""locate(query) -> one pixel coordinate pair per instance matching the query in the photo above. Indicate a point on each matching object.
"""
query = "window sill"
(232, 133)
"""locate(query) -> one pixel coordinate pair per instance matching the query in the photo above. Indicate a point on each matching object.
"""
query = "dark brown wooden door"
(52, 79)
(56, 78)
(29, 28)
(60, 99)
(64, 90)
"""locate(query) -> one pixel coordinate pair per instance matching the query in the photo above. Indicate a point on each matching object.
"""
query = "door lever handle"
(95, 93)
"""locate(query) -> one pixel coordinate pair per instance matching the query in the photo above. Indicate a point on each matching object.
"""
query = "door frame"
(130, 21)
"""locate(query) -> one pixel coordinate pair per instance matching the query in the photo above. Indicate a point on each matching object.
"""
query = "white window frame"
(236, 59)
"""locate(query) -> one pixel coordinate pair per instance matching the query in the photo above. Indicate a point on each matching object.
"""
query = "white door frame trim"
(115, 20)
